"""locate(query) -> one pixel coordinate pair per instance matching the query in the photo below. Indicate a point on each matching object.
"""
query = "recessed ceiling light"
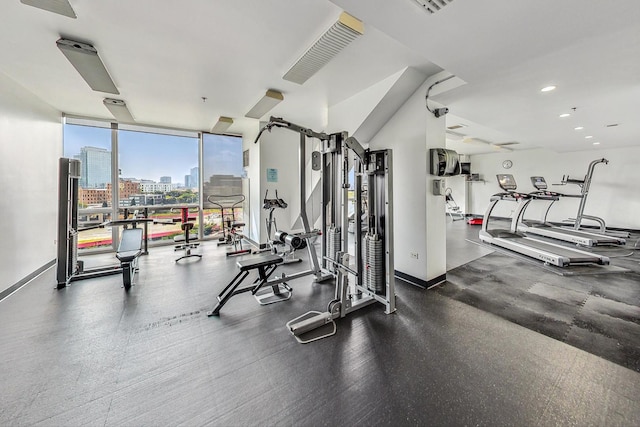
(588, 137)
(579, 128)
(562, 116)
(547, 89)
(596, 143)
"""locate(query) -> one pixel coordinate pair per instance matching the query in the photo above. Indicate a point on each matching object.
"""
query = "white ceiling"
(166, 55)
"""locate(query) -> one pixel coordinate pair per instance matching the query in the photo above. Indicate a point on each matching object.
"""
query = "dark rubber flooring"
(598, 313)
(93, 354)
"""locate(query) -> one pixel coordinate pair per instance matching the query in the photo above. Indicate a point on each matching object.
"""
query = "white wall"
(436, 234)
(418, 215)
(614, 193)
(459, 189)
(252, 220)
(279, 150)
(30, 146)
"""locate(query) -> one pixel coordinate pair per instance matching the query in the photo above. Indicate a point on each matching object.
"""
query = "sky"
(150, 156)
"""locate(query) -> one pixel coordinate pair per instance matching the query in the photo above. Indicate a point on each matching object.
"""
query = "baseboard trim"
(11, 289)
(419, 282)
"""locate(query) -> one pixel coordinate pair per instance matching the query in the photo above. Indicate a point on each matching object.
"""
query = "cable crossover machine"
(362, 265)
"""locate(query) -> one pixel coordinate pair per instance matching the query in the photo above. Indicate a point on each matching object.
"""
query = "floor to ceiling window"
(132, 170)
(159, 172)
(91, 144)
(222, 175)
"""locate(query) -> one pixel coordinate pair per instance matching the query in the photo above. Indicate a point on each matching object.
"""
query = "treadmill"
(546, 229)
(518, 242)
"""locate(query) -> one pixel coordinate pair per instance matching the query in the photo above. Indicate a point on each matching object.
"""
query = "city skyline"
(150, 156)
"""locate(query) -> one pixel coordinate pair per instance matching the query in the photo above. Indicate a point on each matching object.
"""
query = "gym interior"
(352, 213)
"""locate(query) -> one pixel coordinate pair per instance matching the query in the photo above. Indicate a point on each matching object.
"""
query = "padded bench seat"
(130, 244)
(257, 262)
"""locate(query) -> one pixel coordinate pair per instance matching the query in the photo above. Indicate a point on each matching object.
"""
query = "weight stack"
(374, 263)
(333, 245)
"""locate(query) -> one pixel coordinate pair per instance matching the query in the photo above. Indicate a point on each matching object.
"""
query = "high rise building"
(95, 164)
(194, 179)
(165, 179)
(223, 185)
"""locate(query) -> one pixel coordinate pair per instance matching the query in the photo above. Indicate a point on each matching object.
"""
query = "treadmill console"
(507, 182)
(539, 183)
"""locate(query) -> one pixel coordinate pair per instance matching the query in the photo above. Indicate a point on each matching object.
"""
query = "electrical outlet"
(414, 255)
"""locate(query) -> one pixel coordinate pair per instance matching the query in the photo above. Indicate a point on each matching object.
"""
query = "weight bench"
(266, 265)
(129, 250)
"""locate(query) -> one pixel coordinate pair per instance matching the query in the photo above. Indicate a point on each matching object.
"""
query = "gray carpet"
(596, 313)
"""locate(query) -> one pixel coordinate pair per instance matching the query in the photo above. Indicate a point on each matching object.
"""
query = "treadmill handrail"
(516, 242)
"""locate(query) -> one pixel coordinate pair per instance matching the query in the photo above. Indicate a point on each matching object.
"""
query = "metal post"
(200, 185)
(302, 158)
(388, 232)
(302, 154)
(358, 219)
(344, 193)
(115, 186)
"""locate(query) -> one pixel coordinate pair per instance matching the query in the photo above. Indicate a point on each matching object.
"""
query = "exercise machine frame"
(517, 242)
(546, 229)
(585, 185)
(185, 240)
(373, 274)
(231, 230)
(69, 268)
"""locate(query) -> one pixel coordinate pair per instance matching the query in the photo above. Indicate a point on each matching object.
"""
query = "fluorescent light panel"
(61, 7)
(336, 38)
(119, 110)
(268, 101)
(222, 124)
(85, 59)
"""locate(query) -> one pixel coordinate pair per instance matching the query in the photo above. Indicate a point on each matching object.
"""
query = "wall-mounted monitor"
(465, 168)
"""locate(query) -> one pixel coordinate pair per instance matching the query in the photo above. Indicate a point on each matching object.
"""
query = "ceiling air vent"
(433, 6)
(336, 38)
